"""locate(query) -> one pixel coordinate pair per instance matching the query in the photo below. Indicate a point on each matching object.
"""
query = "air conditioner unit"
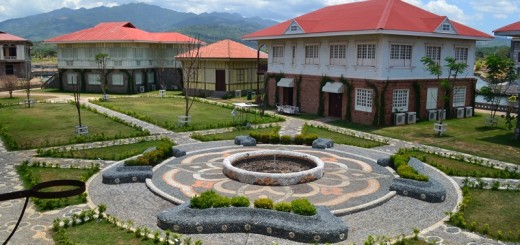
(460, 112)
(411, 117)
(399, 118)
(141, 89)
(238, 93)
(469, 111)
(432, 115)
(441, 113)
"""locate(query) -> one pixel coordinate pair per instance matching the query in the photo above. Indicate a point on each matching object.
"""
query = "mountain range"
(209, 27)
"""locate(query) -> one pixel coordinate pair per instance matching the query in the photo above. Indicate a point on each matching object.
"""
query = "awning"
(333, 87)
(286, 82)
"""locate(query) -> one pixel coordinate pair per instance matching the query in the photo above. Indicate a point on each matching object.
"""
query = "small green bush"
(240, 201)
(264, 203)
(151, 158)
(221, 201)
(285, 139)
(283, 207)
(303, 207)
(265, 138)
(205, 200)
(298, 139)
(309, 138)
(400, 164)
(274, 138)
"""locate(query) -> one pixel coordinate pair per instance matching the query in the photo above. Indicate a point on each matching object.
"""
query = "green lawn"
(164, 112)
(468, 135)
(18, 99)
(231, 135)
(116, 152)
(339, 138)
(498, 209)
(54, 124)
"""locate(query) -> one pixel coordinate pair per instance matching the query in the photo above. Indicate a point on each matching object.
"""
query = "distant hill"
(498, 41)
(210, 27)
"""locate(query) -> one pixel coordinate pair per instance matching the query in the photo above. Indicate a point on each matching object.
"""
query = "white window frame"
(150, 78)
(401, 55)
(459, 96)
(312, 54)
(446, 27)
(434, 52)
(94, 79)
(138, 78)
(364, 99)
(400, 100)
(118, 79)
(461, 54)
(366, 54)
(294, 28)
(278, 53)
(338, 54)
(72, 78)
(293, 55)
(240, 75)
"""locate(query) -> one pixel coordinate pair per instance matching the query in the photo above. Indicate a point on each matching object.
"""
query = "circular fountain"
(273, 167)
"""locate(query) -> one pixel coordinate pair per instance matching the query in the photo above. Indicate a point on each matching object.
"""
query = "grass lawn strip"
(53, 124)
(340, 138)
(467, 135)
(164, 112)
(20, 99)
(115, 152)
(232, 134)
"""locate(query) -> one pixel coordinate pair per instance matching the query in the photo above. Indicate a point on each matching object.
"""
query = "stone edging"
(120, 174)
(322, 227)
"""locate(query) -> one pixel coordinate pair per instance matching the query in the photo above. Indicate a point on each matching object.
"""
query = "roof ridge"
(386, 13)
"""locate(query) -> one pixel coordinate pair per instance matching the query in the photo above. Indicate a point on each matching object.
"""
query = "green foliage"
(205, 200)
(283, 207)
(221, 201)
(285, 139)
(303, 207)
(263, 203)
(298, 139)
(274, 138)
(151, 158)
(240, 201)
(309, 138)
(400, 165)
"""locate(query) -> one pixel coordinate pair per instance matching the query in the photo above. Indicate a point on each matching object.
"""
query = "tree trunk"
(78, 106)
(10, 94)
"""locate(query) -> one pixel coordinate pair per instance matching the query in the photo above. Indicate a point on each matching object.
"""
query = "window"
(461, 54)
(277, 54)
(117, 79)
(446, 27)
(312, 54)
(400, 100)
(72, 78)
(67, 53)
(240, 75)
(150, 77)
(338, 54)
(434, 53)
(94, 79)
(138, 78)
(293, 55)
(363, 100)
(518, 59)
(459, 96)
(294, 28)
(9, 51)
(401, 55)
(366, 55)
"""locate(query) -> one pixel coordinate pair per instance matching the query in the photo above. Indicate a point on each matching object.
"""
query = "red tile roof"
(9, 37)
(119, 32)
(226, 49)
(373, 16)
(511, 27)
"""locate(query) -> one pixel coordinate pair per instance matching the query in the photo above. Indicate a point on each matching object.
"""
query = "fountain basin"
(273, 167)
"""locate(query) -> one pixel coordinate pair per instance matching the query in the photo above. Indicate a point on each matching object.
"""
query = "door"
(287, 96)
(9, 69)
(220, 82)
(431, 99)
(335, 101)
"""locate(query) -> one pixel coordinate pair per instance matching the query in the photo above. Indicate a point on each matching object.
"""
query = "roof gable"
(226, 49)
(294, 28)
(446, 27)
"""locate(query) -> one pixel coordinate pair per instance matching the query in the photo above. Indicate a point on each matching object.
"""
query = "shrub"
(285, 139)
(205, 200)
(303, 207)
(400, 164)
(298, 139)
(265, 138)
(309, 138)
(221, 201)
(283, 207)
(240, 201)
(274, 138)
(264, 203)
(151, 158)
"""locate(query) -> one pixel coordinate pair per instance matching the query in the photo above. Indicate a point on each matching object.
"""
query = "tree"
(500, 75)
(101, 60)
(190, 66)
(26, 85)
(77, 97)
(9, 83)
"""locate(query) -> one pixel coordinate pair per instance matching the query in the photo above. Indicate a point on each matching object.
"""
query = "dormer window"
(446, 27)
(294, 28)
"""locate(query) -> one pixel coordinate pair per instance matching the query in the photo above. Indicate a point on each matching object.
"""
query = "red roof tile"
(372, 15)
(511, 27)
(227, 49)
(9, 37)
(119, 32)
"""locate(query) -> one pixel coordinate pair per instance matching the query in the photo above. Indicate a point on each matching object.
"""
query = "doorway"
(9, 69)
(220, 82)
(287, 96)
(335, 101)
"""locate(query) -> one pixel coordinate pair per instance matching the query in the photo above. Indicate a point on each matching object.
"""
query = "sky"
(484, 15)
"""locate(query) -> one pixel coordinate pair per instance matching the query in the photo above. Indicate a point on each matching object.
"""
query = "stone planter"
(183, 121)
(491, 121)
(105, 97)
(121, 174)
(162, 93)
(83, 130)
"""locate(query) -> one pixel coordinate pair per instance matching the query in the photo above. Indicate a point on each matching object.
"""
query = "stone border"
(319, 228)
(428, 191)
(120, 174)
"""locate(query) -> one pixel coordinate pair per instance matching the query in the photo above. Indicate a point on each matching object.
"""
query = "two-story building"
(15, 56)
(138, 60)
(362, 61)
(512, 30)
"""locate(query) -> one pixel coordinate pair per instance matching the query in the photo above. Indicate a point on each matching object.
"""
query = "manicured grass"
(164, 112)
(18, 99)
(498, 209)
(339, 138)
(231, 135)
(468, 135)
(455, 167)
(115, 152)
(54, 124)
(35, 174)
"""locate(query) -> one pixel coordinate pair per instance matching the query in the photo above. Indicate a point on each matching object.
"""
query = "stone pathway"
(34, 224)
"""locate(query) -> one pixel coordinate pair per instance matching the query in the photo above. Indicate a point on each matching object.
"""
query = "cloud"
(443, 8)
(499, 9)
